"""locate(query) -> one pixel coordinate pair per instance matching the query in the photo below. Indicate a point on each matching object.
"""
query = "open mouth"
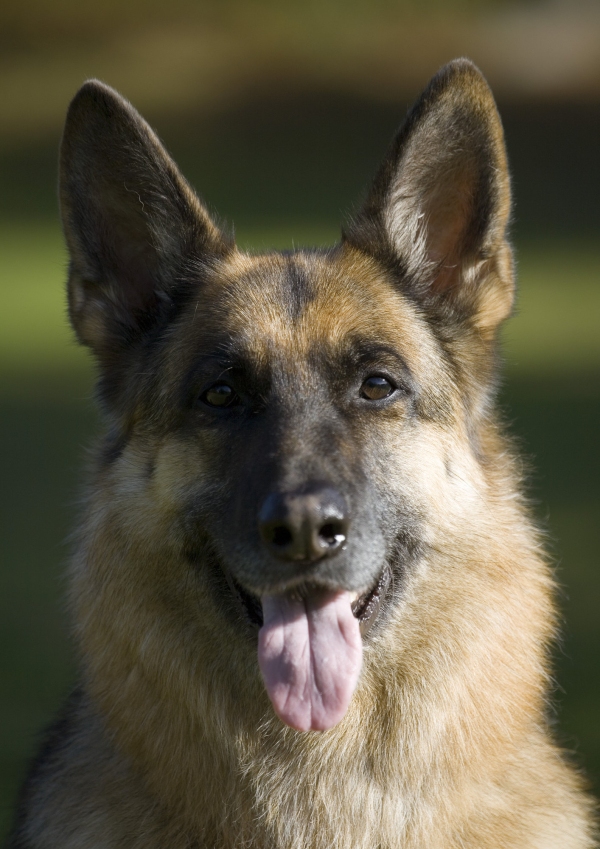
(310, 637)
(366, 607)
(310, 645)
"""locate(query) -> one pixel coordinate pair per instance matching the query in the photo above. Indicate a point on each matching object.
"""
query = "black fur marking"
(112, 448)
(56, 735)
(297, 290)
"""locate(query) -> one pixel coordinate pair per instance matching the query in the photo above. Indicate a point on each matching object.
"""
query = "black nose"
(304, 525)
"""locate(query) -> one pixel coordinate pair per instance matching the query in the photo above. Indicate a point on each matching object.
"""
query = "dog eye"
(375, 388)
(220, 395)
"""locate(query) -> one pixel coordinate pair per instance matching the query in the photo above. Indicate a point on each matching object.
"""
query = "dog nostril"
(281, 536)
(331, 534)
(304, 525)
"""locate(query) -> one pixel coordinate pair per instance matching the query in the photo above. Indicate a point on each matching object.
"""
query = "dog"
(311, 607)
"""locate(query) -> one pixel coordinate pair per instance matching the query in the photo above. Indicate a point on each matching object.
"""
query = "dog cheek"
(422, 472)
(466, 483)
(129, 477)
(151, 487)
(447, 484)
(405, 468)
(177, 472)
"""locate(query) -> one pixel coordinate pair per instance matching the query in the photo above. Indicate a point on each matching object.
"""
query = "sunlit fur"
(172, 741)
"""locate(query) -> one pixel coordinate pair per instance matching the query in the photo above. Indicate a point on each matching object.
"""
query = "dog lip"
(249, 603)
(365, 607)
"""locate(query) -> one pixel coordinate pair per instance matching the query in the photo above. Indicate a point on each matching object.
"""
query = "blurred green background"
(278, 113)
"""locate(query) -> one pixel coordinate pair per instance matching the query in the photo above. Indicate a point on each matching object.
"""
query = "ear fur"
(438, 208)
(131, 221)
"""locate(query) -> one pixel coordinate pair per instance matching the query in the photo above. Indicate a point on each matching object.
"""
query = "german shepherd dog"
(311, 607)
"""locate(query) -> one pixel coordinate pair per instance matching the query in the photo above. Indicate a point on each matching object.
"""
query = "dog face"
(296, 413)
(295, 429)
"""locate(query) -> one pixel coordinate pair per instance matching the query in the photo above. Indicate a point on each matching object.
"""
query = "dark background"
(279, 114)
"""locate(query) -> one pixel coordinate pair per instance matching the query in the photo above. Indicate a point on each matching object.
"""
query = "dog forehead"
(294, 302)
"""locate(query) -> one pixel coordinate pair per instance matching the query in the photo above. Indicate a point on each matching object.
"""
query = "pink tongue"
(310, 654)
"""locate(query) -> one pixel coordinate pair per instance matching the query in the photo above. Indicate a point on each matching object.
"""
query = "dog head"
(294, 429)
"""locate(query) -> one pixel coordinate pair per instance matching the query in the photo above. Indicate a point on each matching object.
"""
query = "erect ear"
(131, 221)
(439, 206)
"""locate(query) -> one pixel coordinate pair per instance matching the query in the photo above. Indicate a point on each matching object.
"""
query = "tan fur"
(445, 744)
(428, 744)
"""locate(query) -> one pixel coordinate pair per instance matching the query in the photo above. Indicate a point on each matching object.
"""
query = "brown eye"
(376, 388)
(219, 395)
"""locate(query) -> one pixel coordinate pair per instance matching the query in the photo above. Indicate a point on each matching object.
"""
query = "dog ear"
(439, 206)
(131, 221)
